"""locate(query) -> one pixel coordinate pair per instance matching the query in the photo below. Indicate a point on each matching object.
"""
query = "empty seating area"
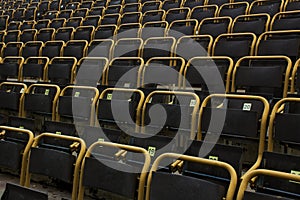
(150, 99)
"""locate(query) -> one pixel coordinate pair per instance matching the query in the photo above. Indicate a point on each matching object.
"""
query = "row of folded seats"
(191, 150)
(234, 45)
(201, 74)
(204, 15)
(75, 9)
(89, 28)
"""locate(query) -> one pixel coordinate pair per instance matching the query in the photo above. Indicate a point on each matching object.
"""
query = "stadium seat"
(75, 48)
(117, 69)
(249, 76)
(234, 45)
(233, 9)
(45, 34)
(180, 187)
(91, 71)
(105, 32)
(33, 69)
(31, 48)
(279, 43)
(218, 121)
(132, 7)
(202, 43)
(10, 67)
(179, 28)
(60, 70)
(28, 35)
(15, 147)
(154, 29)
(265, 6)
(254, 23)
(123, 180)
(208, 74)
(215, 26)
(84, 33)
(111, 19)
(128, 47)
(131, 17)
(202, 12)
(153, 15)
(12, 36)
(74, 22)
(91, 21)
(291, 5)
(285, 21)
(158, 47)
(44, 23)
(12, 49)
(50, 160)
(39, 105)
(130, 30)
(96, 11)
(278, 175)
(52, 49)
(57, 23)
(100, 48)
(113, 9)
(177, 14)
(151, 5)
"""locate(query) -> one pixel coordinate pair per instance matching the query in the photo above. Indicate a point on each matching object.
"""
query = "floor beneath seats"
(52, 192)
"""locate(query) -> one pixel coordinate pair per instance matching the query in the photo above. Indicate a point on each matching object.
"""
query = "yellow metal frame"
(80, 156)
(94, 100)
(294, 76)
(263, 121)
(140, 103)
(228, 74)
(54, 102)
(287, 72)
(59, 19)
(84, 42)
(127, 58)
(42, 20)
(223, 165)
(25, 153)
(194, 113)
(265, 172)
(143, 176)
(16, 44)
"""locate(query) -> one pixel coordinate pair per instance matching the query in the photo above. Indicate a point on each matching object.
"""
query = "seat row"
(248, 110)
(89, 7)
